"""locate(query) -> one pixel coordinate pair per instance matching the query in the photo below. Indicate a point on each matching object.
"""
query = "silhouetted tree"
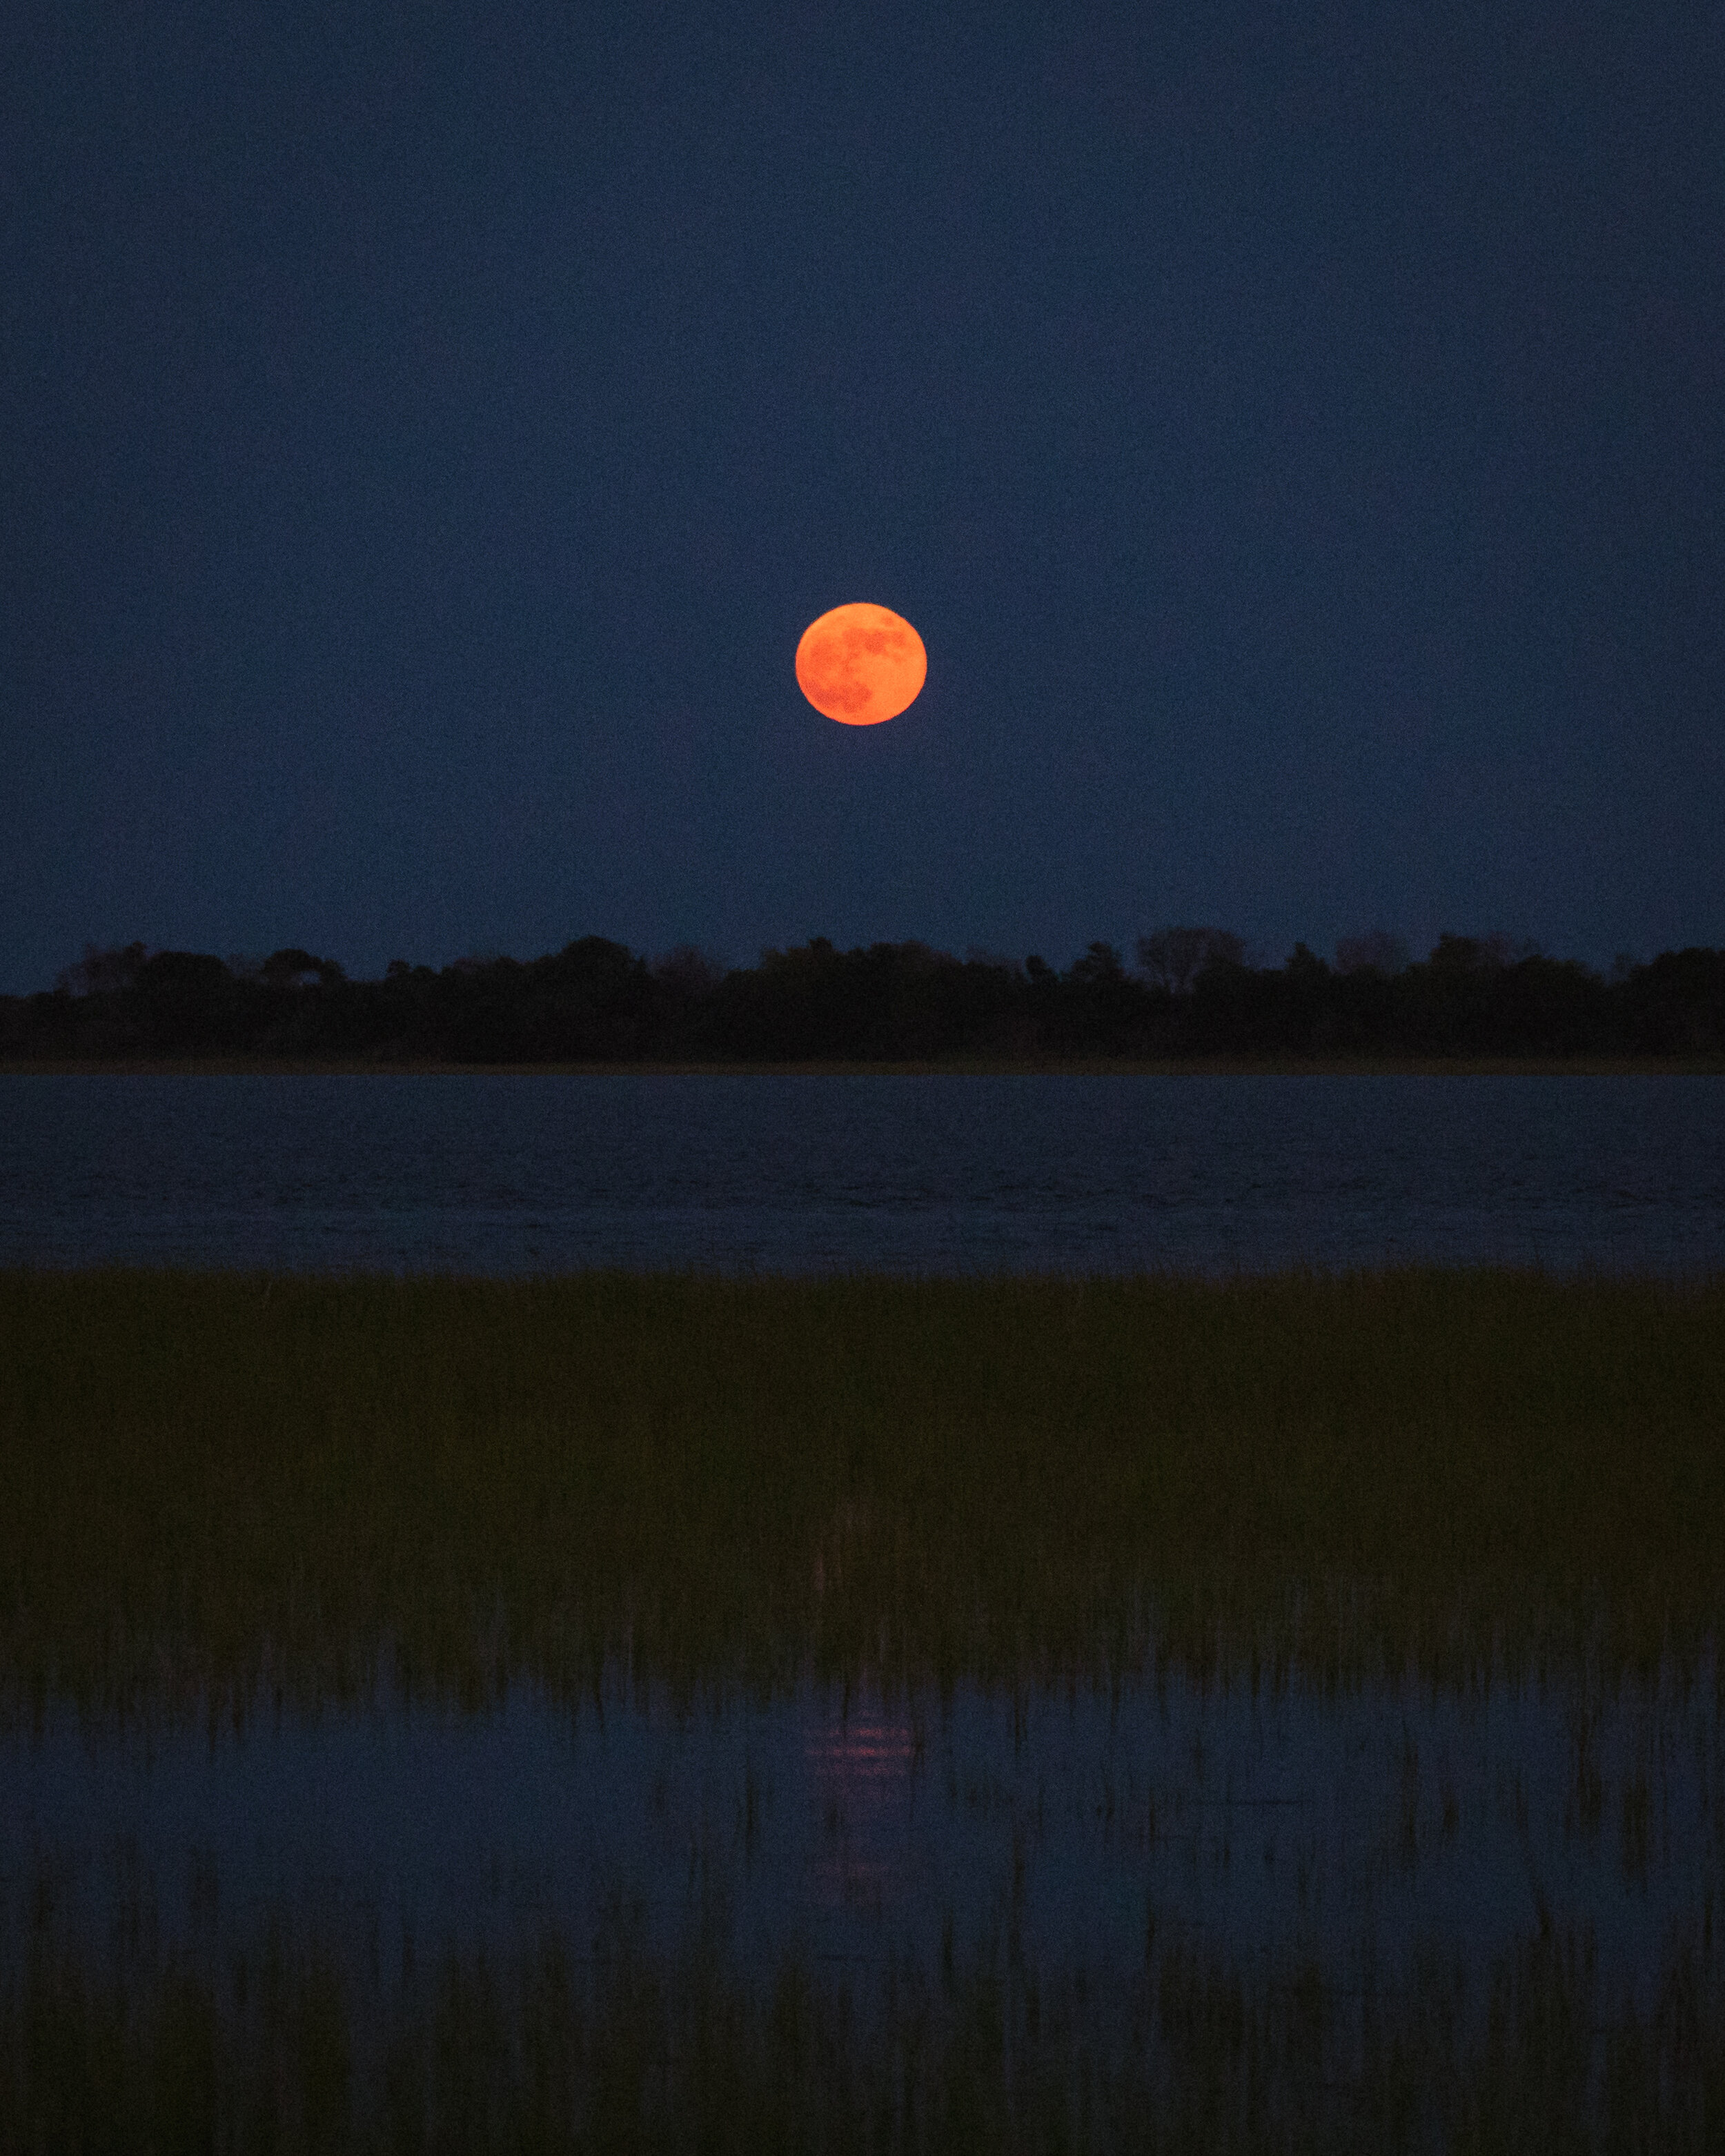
(1305, 965)
(1101, 962)
(102, 972)
(1463, 954)
(1676, 1005)
(295, 968)
(688, 972)
(1172, 958)
(1376, 951)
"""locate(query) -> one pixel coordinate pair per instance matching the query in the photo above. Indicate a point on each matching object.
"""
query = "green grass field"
(209, 1481)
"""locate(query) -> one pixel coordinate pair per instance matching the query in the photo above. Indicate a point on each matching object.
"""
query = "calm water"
(1357, 1830)
(499, 1174)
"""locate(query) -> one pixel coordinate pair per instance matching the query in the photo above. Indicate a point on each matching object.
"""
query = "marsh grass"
(211, 1482)
(285, 2046)
(217, 1489)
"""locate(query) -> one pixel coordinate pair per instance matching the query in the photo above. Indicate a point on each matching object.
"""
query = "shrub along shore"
(1189, 997)
(215, 1482)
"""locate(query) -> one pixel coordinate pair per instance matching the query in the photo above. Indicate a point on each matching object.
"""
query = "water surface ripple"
(497, 1174)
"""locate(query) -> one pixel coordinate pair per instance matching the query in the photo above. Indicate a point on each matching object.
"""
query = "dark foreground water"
(1166, 1915)
(1355, 1830)
(494, 1174)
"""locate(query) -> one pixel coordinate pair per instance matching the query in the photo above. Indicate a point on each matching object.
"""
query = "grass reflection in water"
(222, 1495)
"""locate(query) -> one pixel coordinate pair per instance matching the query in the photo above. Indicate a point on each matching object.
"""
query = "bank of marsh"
(208, 1479)
(284, 2050)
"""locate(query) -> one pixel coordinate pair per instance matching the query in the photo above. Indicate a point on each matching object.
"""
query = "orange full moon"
(860, 665)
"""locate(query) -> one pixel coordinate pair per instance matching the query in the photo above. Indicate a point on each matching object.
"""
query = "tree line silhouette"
(1188, 993)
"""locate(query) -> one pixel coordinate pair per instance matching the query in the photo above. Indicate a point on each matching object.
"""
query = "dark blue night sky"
(1297, 432)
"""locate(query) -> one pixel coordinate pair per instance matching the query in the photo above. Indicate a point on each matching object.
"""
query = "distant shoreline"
(1209, 1066)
